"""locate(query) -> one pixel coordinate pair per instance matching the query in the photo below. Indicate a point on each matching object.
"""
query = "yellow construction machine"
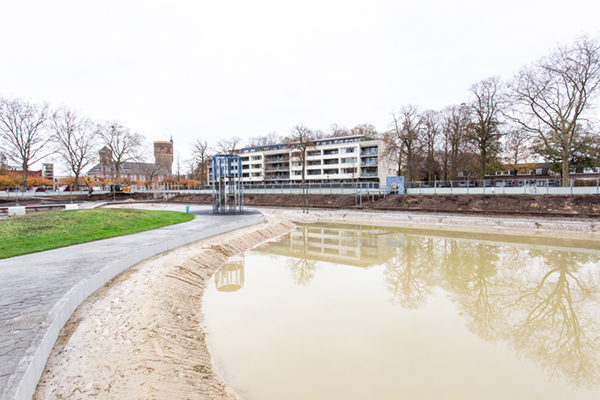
(114, 187)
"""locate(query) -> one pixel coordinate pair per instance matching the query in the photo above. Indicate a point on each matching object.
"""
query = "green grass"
(44, 231)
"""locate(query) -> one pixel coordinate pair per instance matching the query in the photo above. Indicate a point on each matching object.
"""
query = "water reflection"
(539, 295)
(543, 302)
(230, 278)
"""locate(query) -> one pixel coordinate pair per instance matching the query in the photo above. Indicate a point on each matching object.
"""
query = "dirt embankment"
(142, 335)
(578, 206)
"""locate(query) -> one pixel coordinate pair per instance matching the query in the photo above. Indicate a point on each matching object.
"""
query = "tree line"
(30, 132)
(545, 111)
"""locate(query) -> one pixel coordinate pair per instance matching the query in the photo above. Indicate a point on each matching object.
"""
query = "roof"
(130, 168)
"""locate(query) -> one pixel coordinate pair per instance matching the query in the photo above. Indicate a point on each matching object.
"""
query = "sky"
(218, 69)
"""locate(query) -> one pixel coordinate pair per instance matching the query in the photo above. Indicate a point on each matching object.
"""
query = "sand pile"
(142, 336)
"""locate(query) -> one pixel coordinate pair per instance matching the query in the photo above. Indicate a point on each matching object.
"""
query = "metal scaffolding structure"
(227, 186)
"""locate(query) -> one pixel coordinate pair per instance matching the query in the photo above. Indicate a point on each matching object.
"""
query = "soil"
(577, 206)
(142, 335)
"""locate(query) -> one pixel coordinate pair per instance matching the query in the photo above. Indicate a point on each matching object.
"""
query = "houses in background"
(152, 173)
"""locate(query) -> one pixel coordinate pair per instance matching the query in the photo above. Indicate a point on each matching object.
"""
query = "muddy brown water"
(345, 311)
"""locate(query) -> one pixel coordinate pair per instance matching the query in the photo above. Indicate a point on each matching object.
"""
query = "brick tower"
(163, 154)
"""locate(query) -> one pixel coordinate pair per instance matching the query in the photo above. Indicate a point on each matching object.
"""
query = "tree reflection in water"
(545, 303)
(553, 316)
(409, 274)
(542, 300)
(301, 266)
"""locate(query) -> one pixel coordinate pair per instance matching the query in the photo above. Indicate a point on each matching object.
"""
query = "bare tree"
(455, 121)
(404, 136)
(485, 108)
(24, 133)
(336, 130)
(3, 163)
(552, 97)
(365, 130)
(431, 131)
(228, 146)
(125, 146)
(517, 150)
(151, 170)
(267, 140)
(301, 139)
(75, 138)
(200, 151)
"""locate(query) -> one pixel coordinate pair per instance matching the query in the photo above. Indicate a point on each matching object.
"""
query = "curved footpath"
(39, 292)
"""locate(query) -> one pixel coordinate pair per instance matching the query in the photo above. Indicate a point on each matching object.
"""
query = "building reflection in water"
(540, 295)
(347, 244)
(230, 277)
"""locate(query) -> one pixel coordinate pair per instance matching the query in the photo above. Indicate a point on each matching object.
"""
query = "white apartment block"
(343, 159)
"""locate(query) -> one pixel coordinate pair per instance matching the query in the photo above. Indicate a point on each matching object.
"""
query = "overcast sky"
(217, 69)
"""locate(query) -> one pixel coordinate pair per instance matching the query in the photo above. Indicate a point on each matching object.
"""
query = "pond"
(350, 311)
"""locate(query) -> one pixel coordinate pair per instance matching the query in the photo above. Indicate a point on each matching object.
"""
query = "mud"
(142, 335)
(577, 206)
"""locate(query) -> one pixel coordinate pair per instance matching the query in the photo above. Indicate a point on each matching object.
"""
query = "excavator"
(114, 187)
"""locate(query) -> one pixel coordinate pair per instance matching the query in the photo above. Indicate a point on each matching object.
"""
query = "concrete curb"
(23, 387)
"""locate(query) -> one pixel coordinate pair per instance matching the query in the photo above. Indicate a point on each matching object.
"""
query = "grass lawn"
(44, 231)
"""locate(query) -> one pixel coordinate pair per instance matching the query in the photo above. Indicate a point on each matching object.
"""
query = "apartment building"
(342, 159)
(349, 244)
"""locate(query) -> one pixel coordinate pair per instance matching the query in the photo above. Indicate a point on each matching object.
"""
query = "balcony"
(367, 151)
(368, 171)
(278, 168)
(277, 176)
(276, 159)
(369, 161)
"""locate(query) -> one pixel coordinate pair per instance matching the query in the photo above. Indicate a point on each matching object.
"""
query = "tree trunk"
(24, 180)
(565, 170)
(408, 168)
(76, 182)
(482, 171)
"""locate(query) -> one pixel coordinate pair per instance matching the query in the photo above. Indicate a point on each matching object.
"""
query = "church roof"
(129, 168)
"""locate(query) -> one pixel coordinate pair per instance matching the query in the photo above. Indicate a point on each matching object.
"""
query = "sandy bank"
(142, 335)
(574, 228)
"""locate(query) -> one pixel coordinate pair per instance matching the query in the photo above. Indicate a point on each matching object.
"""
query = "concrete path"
(39, 292)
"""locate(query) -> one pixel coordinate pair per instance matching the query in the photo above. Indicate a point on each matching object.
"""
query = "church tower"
(163, 154)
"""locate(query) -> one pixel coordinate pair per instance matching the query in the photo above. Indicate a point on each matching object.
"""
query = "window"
(349, 160)
(246, 175)
(257, 174)
(348, 170)
(313, 153)
(296, 164)
(256, 158)
(314, 162)
(538, 171)
(331, 151)
(256, 165)
(298, 173)
(332, 171)
(331, 161)
(313, 172)
(348, 150)
(244, 158)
